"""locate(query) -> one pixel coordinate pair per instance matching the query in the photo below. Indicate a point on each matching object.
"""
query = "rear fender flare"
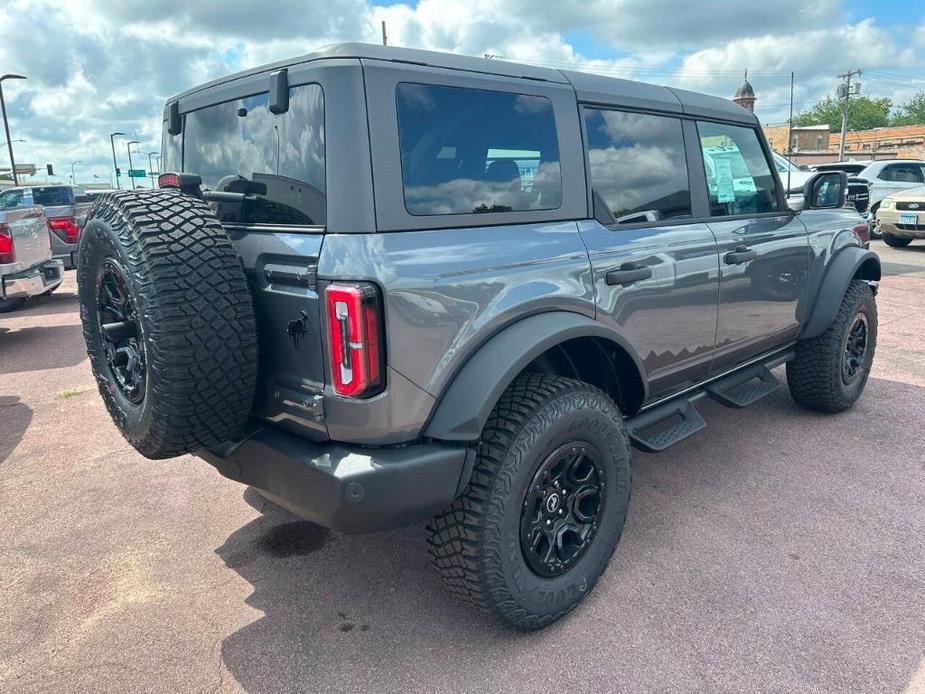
(467, 402)
(849, 263)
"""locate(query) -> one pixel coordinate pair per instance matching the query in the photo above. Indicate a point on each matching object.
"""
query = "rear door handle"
(741, 254)
(627, 274)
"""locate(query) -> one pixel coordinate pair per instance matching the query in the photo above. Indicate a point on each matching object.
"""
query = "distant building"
(745, 95)
(902, 142)
(803, 138)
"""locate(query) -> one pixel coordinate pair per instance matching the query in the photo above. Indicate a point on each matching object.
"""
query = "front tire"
(829, 372)
(896, 241)
(545, 507)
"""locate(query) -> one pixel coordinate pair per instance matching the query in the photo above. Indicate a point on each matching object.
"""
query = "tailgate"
(281, 270)
(29, 230)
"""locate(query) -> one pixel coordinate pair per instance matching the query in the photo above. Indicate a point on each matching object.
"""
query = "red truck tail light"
(65, 228)
(7, 251)
(354, 338)
(168, 180)
(862, 231)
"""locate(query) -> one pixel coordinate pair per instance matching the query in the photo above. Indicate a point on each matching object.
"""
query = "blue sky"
(95, 66)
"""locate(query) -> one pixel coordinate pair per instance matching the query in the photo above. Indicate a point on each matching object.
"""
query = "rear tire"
(8, 305)
(896, 241)
(830, 371)
(492, 546)
(178, 371)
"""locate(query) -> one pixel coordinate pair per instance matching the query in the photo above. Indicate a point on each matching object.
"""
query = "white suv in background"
(886, 176)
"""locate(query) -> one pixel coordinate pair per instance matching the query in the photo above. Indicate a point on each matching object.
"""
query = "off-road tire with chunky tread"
(474, 544)
(196, 317)
(814, 375)
(896, 241)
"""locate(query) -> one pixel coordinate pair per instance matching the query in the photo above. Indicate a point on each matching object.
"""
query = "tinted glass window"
(171, 151)
(51, 196)
(473, 150)
(903, 173)
(739, 179)
(275, 162)
(11, 198)
(638, 166)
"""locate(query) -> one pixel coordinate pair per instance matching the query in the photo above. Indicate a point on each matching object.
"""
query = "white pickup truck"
(26, 265)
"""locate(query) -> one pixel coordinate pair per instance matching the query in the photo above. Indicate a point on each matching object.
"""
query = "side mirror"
(825, 190)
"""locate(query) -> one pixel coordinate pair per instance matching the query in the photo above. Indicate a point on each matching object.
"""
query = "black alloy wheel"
(561, 509)
(855, 349)
(120, 331)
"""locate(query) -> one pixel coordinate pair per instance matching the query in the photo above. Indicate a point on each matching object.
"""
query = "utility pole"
(128, 146)
(790, 136)
(151, 166)
(385, 40)
(6, 124)
(845, 93)
(115, 164)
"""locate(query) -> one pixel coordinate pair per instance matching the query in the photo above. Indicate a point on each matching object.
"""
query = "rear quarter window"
(276, 159)
(476, 151)
(52, 196)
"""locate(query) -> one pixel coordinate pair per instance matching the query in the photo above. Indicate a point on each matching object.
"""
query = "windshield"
(782, 165)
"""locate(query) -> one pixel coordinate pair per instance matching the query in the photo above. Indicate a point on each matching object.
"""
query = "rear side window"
(739, 178)
(638, 166)
(52, 196)
(10, 199)
(275, 161)
(904, 173)
(475, 151)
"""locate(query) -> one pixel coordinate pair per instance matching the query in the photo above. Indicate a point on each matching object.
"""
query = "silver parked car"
(901, 217)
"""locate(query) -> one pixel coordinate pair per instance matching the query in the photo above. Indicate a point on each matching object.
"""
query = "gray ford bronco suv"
(388, 285)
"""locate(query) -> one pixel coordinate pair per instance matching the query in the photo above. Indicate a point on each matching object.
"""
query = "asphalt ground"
(777, 551)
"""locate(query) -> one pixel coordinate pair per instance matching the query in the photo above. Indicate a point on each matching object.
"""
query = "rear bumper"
(32, 282)
(350, 489)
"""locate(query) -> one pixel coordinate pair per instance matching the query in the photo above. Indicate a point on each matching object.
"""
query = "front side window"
(638, 166)
(739, 179)
(469, 151)
(275, 161)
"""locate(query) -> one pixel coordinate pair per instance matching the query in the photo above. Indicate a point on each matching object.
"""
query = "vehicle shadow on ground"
(60, 302)
(15, 416)
(822, 560)
(41, 347)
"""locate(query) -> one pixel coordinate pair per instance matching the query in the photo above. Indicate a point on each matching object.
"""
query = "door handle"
(741, 254)
(627, 274)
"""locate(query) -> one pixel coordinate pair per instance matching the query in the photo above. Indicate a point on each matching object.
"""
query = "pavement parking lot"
(777, 551)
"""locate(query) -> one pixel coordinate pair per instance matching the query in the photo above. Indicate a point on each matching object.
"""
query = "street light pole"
(128, 146)
(6, 124)
(151, 166)
(73, 164)
(115, 164)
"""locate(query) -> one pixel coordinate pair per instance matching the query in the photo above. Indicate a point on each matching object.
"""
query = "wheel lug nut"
(548, 522)
(561, 511)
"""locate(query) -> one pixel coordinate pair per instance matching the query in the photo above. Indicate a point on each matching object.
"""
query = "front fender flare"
(847, 264)
(467, 402)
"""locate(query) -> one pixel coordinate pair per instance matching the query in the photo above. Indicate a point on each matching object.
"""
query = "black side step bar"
(663, 426)
(655, 429)
(743, 388)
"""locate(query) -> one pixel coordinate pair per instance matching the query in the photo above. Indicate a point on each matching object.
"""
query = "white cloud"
(96, 66)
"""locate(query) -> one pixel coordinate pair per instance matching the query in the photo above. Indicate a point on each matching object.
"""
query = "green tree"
(912, 112)
(863, 113)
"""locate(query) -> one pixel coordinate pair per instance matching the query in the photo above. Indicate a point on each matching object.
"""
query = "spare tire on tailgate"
(168, 321)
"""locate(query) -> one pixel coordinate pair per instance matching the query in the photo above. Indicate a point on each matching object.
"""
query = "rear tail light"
(355, 338)
(65, 228)
(7, 251)
(862, 231)
(168, 180)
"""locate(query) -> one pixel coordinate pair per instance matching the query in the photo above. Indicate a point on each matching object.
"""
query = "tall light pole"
(115, 164)
(128, 147)
(6, 125)
(151, 166)
(73, 164)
